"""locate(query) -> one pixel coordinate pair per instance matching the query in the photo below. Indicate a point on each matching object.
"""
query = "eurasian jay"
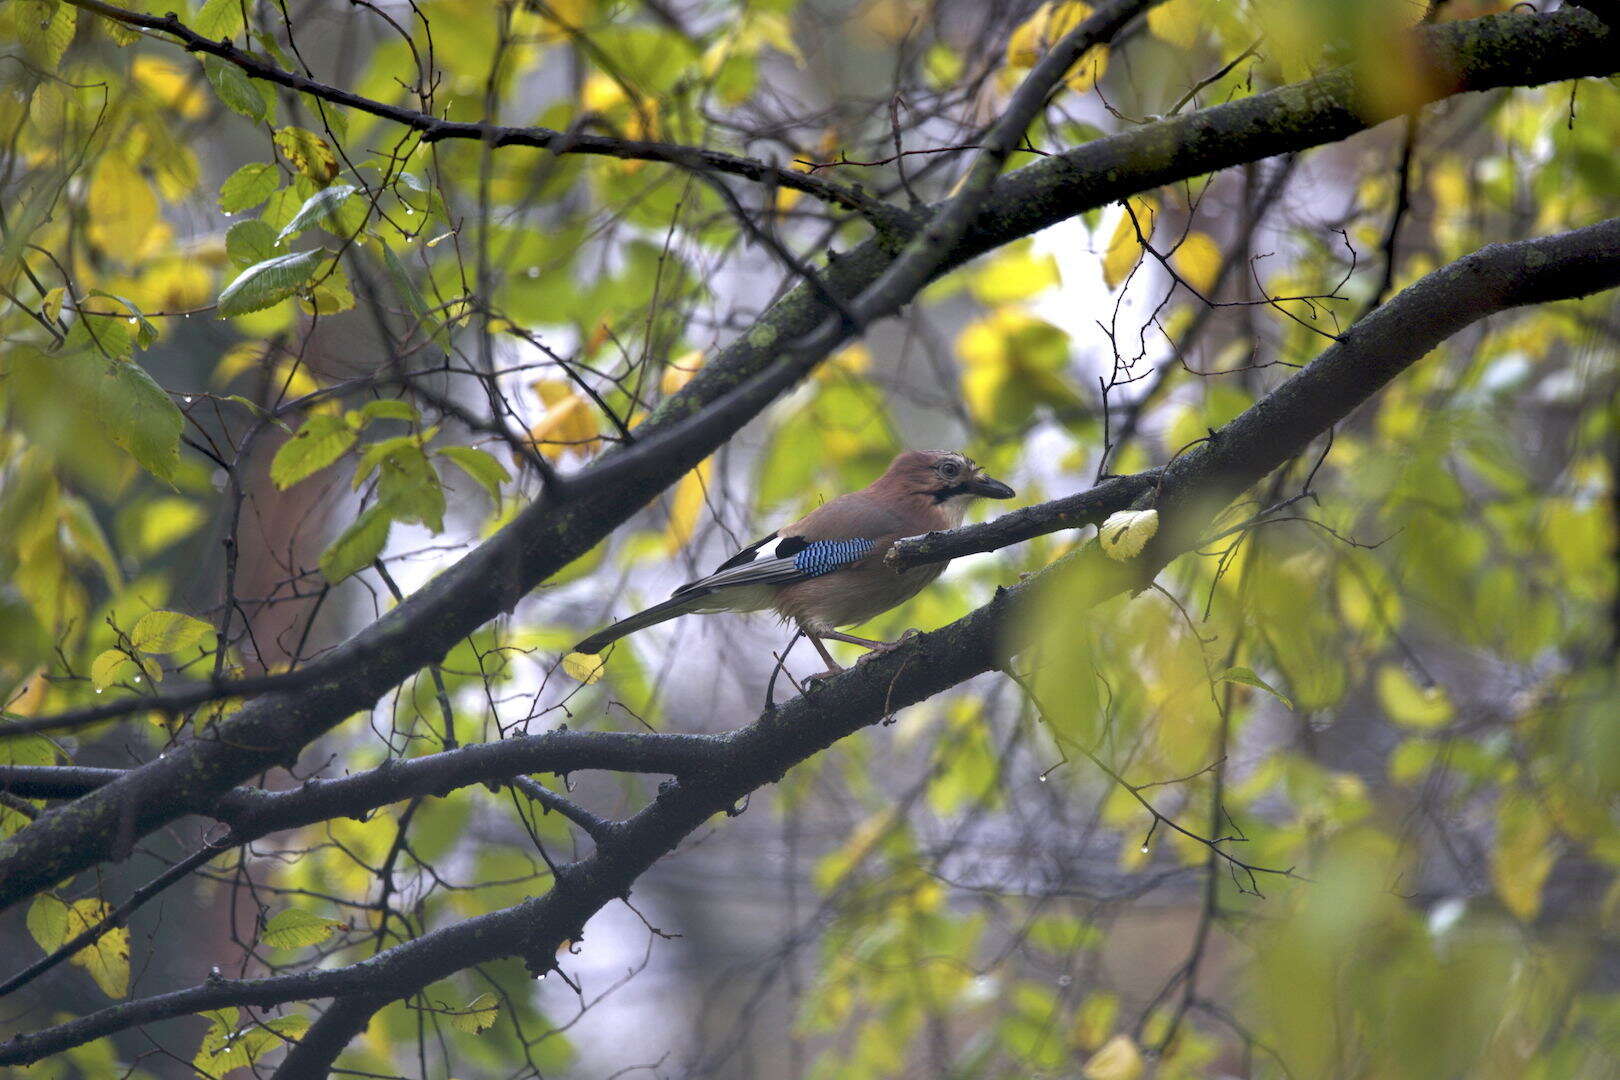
(826, 569)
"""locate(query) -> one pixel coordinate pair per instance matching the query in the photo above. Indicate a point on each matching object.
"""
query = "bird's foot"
(882, 647)
(812, 683)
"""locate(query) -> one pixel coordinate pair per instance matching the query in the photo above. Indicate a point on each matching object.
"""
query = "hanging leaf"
(269, 282)
(358, 546)
(1247, 677)
(248, 186)
(296, 928)
(583, 667)
(250, 242)
(479, 1015)
(481, 465)
(1124, 250)
(111, 667)
(168, 632)
(1198, 261)
(308, 153)
(319, 208)
(320, 442)
(235, 89)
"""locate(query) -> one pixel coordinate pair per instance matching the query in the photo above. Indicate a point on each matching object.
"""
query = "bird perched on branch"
(826, 570)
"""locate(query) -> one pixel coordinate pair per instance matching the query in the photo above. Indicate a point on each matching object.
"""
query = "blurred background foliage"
(256, 341)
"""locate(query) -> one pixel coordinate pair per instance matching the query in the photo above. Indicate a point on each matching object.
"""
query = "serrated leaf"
(235, 89)
(320, 442)
(478, 1016)
(269, 282)
(481, 465)
(317, 209)
(110, 668)
(225, 1047)
(249, 242)
(1125, 533)
(1247, 677)
(140, 417)
(409, 487)
(295, 928)
(358, 546)
(168, 632)
(248, 186)
(308, 153)
(46, 29)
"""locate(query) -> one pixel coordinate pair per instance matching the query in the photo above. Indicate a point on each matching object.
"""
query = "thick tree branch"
(1194, 488)
(1516, 49)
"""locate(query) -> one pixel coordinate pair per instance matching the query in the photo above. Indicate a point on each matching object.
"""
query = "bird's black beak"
(989, 488)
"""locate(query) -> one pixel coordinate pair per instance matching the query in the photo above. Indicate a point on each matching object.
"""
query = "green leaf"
(388, 409)
(270, 282)
(111, 667)
(235, 89)
(296, 928)
(1247, 677)
(478, 1016)
(219, 19)
(225, 1047)
(46, 29)
(47, 921)
(318, 208)
(481, 465)
(409, 487)
(321, 441)
(248, 186)
(168, 632)
(140, 418)
(249, 242)
(358, 546)
(1407, 703)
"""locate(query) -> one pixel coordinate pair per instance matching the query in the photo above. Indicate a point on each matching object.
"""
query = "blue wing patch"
(825, 556)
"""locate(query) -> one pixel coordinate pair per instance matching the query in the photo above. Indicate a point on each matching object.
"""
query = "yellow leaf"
(1523, 856)
(170, 85)
(1176, 22)
(583, 667)
(295, 928)
(1087, 70)
(687, 506)
(479, 1015)
(569, 423)
(1125, 533)
(1407, 703)
(1016, 274)
(1123, 248)
(1117, 1060)
(680, 371)
(1198, 261)
(122, 208)
(54, 922)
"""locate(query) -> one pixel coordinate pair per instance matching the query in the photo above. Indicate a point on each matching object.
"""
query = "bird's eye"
(949, 470)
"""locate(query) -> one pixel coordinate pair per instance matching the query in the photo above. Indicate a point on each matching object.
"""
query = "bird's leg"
(833, 666)
(876, 647)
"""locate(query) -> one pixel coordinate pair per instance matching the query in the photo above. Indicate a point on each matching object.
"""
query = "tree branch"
(433, 129)
(1195, 487)
(1514, 49)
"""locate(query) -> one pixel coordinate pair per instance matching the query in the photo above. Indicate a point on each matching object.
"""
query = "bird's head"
(946, 476)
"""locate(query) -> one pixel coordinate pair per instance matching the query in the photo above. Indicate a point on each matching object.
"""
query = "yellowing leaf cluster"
(569, 424)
